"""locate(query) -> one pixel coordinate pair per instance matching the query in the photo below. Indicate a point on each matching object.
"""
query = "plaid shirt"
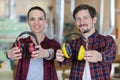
(100, 70)
(49, 67)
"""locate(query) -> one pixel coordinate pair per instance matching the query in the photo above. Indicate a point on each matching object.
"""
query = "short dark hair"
(36, 8)
(91, 10)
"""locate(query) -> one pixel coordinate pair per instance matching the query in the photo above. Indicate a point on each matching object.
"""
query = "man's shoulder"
(106, 37)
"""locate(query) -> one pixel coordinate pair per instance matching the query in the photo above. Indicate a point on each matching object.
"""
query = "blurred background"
(59, 23)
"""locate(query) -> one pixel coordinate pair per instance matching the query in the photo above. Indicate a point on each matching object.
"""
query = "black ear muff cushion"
(22, 48)
(68, 49)
(65, 51)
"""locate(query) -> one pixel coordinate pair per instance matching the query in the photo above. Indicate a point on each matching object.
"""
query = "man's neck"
(86, 35)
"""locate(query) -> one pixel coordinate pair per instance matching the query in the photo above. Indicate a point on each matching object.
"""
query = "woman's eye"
(31, 19)
(40, 18)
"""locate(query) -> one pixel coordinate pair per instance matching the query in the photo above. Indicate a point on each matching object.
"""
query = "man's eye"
(86, 18)
(78, 19)
(41, 18)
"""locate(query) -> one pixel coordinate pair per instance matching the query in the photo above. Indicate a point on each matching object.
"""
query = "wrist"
(63, 58)
(7, 56)
(100, 58)
(50, 54)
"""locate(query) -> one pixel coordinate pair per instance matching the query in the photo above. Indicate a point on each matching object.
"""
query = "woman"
(39, 65)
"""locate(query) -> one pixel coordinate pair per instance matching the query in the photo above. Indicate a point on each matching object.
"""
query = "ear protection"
(21, 46)
(67, 50)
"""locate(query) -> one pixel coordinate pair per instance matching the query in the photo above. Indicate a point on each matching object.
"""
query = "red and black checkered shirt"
(100, 70)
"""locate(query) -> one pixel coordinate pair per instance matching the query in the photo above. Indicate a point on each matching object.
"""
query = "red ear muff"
(31, 47)
(21, 46)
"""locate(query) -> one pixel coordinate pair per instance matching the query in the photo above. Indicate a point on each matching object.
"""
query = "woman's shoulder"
(51, 40)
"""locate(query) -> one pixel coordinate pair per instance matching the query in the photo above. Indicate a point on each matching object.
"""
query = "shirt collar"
(45, 40)
(91, 36)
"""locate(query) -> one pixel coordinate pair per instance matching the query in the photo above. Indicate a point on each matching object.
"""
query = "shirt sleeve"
(53, 46)
(51, 52)
(109, 52)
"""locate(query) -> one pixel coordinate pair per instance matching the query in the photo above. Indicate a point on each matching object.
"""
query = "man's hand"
(93, 56)
(59, 56)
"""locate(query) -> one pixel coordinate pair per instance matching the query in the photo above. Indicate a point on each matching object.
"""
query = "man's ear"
(75, 24)
(94, 19)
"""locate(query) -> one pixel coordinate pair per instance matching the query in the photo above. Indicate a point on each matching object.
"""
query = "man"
(100, 49)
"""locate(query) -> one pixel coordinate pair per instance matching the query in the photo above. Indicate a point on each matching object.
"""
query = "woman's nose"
(36, 22)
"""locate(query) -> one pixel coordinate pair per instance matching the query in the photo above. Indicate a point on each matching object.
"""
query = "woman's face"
(36, 21)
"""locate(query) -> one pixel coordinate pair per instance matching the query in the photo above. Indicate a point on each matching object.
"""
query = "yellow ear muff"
(81, 52)
(64, 50)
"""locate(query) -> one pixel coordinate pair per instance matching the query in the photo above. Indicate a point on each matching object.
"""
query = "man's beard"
(86, 31)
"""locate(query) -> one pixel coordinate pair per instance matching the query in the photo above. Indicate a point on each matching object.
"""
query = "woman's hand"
(14, 53)
(40, 53)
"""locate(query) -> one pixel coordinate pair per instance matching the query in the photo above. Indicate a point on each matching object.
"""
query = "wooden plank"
(117, 60)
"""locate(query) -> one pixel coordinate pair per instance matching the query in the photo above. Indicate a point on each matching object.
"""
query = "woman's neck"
(40, 37)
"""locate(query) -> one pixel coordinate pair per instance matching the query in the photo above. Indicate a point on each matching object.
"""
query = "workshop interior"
(60, 22)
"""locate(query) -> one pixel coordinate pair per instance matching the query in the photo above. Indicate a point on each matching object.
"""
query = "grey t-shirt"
(36, 70)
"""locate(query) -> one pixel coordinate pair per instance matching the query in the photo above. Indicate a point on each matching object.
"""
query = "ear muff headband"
(29, 33)
(67, 36)
(21, 46)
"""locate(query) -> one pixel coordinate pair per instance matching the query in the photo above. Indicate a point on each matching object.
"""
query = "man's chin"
(86, 31)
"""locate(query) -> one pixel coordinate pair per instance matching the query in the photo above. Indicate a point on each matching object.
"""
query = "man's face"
(84, 22)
